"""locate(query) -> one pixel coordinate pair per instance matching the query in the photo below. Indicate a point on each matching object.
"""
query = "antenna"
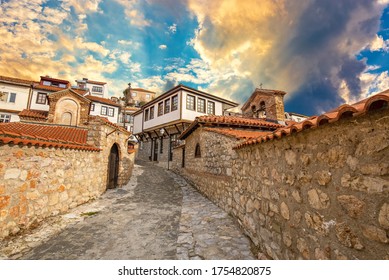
(260, 85)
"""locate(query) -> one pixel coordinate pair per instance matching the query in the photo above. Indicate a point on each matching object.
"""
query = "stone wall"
(38, 182)
(319, 194)
(210, 173)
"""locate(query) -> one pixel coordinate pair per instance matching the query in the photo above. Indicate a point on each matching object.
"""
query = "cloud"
(162, 47)
(379, 44)
(81, 6)
(307, 48)
(134, 13)
(173, 28)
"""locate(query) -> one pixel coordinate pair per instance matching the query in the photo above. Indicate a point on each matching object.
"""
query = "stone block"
(250, 206)
(287, 239)
(4, 201)
(353, 206)
(290, 157)
(303, 248)
(296, 195)
(285, 211)
(378, 169)
(12, 173)
(347, 237)
(305, 159)
(53, 199)
(374, 233)
(352, 162)
(297, 217)
(323, 177)
(318, 199)
(322, 254)
(383, 216)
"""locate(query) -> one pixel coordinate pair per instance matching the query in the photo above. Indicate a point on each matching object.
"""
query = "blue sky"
(322, 53)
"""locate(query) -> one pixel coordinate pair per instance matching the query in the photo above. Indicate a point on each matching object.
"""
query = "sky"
(322, 53)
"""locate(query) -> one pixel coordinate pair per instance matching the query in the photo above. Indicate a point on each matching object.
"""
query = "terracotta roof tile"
(45, 135)
(234, 121)
(362, 107)
(16, 80)
(95, 82)
(239, 134)
(49, 88)
(34, 114)
(102, 100)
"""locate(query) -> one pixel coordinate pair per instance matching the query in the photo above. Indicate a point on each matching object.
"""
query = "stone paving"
(157, 215)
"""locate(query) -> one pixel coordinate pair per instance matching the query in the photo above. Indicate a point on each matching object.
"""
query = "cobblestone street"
(157, 215)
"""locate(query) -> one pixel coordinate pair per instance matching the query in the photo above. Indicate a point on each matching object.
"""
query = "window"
(211, 108)
(151, 113)
(62, 85)
(167, 106)
(41, 98)
(160, 109)
(5, 118)
(146, 114)
(190, 102)
(200, 105)
(97, 89)
(197, 151)
(111, 112)
(147, 96)
(46, 83)
(104, 110)
(174, 102)
(92, 107)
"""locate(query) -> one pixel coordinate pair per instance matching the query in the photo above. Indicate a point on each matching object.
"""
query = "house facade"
(95, 88)
(15, 95)
(159, 122)
(104, 107)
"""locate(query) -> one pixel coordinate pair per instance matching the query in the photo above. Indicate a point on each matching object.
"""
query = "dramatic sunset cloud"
(323, 53)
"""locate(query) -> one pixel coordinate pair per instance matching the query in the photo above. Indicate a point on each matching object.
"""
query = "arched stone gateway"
(113, 167)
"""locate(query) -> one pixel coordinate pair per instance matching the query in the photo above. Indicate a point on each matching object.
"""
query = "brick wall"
(319, 194)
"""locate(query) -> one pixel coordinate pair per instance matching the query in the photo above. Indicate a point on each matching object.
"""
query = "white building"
(15, 95)
(158, 122)
(95, 88)
(41, 90)
(104, 107)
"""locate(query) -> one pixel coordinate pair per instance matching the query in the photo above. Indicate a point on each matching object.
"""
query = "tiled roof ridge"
(360, 108)
(102, 100)
(95, 82)
(16, 80)
(237, 120)
(49, 88)
(107, 122)
(229, 120)
(34, 114)
(238, 134)
(48, 143)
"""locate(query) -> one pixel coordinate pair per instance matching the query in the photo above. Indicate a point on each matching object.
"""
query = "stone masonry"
(318, 194)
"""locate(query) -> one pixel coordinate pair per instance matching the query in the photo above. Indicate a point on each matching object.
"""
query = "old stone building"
(318, 189)
(53, 161)
(265, 103)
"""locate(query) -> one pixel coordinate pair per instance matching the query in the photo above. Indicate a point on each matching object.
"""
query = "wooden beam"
(179, 131)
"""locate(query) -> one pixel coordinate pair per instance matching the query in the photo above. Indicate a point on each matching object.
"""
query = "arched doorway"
(113, 167)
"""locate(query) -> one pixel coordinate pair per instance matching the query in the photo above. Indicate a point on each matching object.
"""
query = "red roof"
(234, 121)
(16, 80)
(34, 114)
(239, 134)
(54, 79)
(49, 88)
(141, 89)
(102, 100)
(362, 107)
(45, 135)
(95, 82)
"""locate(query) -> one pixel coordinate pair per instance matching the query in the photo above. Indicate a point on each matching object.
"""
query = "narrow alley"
(157, 215)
